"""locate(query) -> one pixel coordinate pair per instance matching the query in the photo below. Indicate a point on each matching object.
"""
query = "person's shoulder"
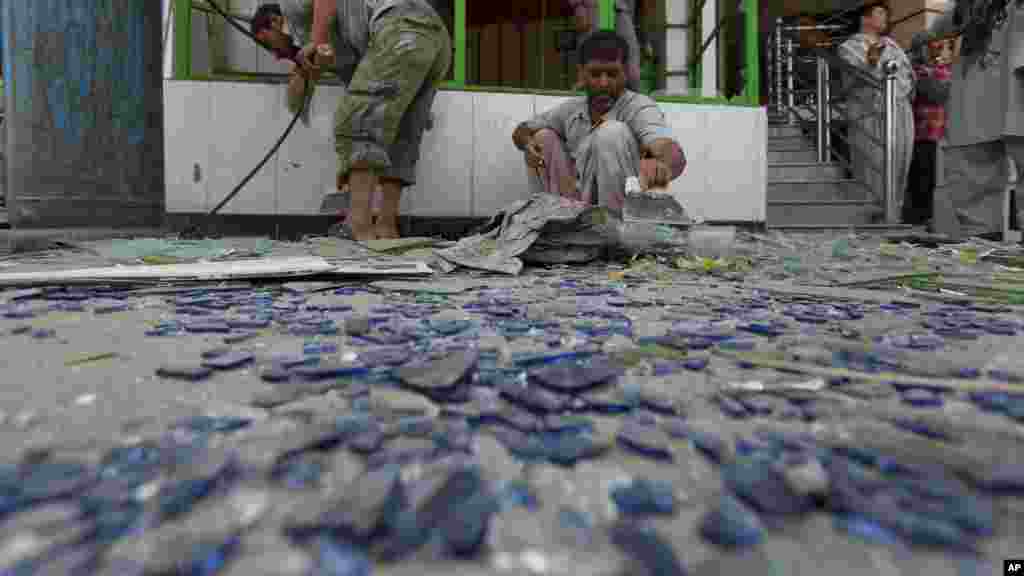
(632, 99)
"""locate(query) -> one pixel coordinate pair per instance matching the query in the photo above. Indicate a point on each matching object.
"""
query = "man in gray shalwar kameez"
(870, 51)
(985, 116)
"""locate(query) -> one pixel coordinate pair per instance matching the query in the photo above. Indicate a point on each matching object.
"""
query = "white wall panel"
(186, 145)
(444, 173)
(245, 121)
(499, 173)
(307, 163)
(468, 166)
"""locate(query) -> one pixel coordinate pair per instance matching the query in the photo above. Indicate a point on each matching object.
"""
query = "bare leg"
(362, 183)
(386, 225)
(558, 176)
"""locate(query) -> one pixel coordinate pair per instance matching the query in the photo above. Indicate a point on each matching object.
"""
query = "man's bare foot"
(384, 231)
(362, 233)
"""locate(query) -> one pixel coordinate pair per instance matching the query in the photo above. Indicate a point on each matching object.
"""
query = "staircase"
(805, 194)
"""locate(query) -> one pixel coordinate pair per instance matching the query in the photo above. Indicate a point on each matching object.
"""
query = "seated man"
(610, 134)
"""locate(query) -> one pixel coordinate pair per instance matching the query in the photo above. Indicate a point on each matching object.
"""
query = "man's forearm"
(323, 12)
(521, 136)
(669, 153)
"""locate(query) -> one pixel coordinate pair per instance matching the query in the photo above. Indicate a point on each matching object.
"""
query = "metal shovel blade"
(654, 206)
(335, 203)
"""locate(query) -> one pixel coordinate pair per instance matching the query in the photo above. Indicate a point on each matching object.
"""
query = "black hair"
(977, 19)
(603, 42)
(263, 17)
(867, 7)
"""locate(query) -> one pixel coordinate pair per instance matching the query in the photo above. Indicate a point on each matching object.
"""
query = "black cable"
(194, 230)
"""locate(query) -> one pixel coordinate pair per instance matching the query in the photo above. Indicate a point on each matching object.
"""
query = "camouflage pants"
(381, 119)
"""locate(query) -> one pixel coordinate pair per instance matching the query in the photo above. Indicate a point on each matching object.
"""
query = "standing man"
(870, 51)
(391, 54)
(587, 16)
(984, 114)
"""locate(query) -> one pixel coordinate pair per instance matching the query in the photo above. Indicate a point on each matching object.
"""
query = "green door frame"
(751, 93)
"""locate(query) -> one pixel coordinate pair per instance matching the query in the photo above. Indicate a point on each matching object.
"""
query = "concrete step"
(836, 213)
(787, 144)
(782, 156)
(783, 130)
(790, 139)
(820, 191)
(804, 171)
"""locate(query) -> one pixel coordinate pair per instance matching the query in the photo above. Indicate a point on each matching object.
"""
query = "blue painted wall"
(84, 95)
(70, 60)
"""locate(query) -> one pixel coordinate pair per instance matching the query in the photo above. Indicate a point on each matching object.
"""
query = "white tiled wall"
(467, 167)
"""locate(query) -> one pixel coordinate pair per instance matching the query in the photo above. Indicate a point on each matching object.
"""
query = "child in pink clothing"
(933, 72)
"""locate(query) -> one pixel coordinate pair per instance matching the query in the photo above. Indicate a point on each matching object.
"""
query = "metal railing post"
(778, 65)
(892, 215)
(790, 81)
(821, 118)
(827, 99)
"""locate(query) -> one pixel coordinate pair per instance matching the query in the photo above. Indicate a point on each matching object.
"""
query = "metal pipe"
(892, 215)
(778, 65)
(827, 91)
(822, 111)
(790, 72)
(815, 27)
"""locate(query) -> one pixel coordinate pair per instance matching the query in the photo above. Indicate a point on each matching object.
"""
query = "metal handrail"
(788, 83)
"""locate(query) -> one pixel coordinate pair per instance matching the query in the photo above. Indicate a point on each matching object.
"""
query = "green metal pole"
(460, 44)
(607, 14)
(182, 39)
(696, 41)
(753, 52)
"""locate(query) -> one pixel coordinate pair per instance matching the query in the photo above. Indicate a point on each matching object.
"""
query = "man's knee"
(546, 136)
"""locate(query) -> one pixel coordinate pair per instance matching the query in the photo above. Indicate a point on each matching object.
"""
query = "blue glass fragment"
(757, 482)
(465, 526)
(208, 328)
(52, 479)
(230, 360)
(299, 471)
(649, 549)
(518, 493)
(339, 558)
(696, 364)
(212, 424)
(645, 440)
(731, 407)
(643, 497)
(865, 529)
(328, 371)
(921, 398)
(731, 524)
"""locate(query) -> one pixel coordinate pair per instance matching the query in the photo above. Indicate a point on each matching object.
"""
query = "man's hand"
(582, 19)
(874, 53)
(535, 154)
(308, 66)
(654, 174)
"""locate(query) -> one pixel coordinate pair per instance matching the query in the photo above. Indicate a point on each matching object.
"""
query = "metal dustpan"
(654, 206)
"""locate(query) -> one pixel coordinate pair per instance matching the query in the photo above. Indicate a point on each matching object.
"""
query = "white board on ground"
(213, 271)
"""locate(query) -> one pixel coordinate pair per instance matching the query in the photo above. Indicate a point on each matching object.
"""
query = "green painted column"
(84, 113)
(752, 48)
(607, 14)
(182, 39)
(459, 80)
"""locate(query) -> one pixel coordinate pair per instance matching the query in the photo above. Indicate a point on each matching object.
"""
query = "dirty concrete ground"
(83, 380)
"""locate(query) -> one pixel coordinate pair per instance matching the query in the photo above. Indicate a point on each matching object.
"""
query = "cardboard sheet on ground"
(214, 271)
(551, 229)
